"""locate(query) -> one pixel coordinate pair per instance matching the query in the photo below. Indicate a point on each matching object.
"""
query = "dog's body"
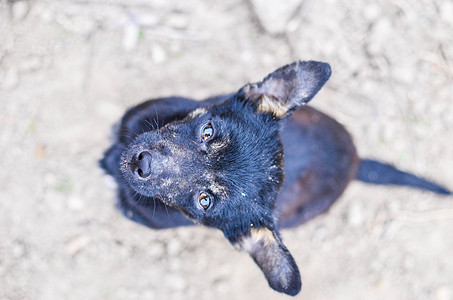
(221, 162)
(320, 160)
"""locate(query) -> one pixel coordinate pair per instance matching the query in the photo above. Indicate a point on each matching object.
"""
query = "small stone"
(75, 204)
(403, 73)
(110, 182)
(444, 293)
(19, 10)
(293, 25)
(173, 247)
(148, 294)
(131, 34)
(409, 264)
(108, 109)
(446, 11)
(32, 63)
(184, 234)
(47, 16)
(379, 36)
(268, 59)
(394, 207)
(148, 20)
(246, 56)
(177, 282)
(274, 15)
(158, 54)
(11, 79)
(372, 12)
(355, 215)
(76, 244)
(84, 26)
(156, 250)
(175, 264)
(40, 152)
(320, 234)
(18, 249)
(54, 202)
(177, 21)
(50, 179)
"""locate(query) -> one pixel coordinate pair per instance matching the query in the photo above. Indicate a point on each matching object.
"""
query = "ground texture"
(68, 70)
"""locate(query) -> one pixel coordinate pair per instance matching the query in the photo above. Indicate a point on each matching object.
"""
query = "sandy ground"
(68, 70)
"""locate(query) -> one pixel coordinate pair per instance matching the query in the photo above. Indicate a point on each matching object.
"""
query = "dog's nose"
(143, 166)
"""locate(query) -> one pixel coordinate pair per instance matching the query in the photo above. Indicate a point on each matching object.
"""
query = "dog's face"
(223, 165)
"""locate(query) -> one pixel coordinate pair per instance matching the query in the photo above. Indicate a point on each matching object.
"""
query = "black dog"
(221, 162)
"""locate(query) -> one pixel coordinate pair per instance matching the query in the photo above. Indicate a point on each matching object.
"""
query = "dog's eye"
(207, 131)
(204, 200)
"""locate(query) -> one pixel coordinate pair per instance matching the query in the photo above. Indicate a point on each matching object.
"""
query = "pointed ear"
(277, 264)
(287, 88)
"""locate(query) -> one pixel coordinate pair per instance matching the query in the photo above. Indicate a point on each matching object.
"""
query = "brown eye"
(207, 131)
(204, 200)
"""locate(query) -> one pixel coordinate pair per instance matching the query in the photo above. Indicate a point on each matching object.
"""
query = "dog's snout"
(142, 168)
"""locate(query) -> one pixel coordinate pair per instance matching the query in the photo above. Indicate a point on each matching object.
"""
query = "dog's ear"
(277, 264)
(287, 88)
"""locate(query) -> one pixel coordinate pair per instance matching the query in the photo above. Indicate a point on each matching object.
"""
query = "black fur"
(221, 162)
(375, 172)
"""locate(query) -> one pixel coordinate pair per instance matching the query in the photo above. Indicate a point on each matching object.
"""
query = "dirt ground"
(69, 69)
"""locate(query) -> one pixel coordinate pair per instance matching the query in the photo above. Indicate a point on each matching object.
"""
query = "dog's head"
(223, 165)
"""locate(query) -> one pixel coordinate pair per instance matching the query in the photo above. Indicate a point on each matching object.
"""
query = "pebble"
(177, 21)
(19, 10)
(19, 250)
(380, 35)
(84, 26)
(75, 203)
(446, 12)
(403, 73)
(50, 179)
(274, 15)
(32, 63)
(394, 207)
(128, 293)
(444, 293)
(40, 151)
(267, 59)
(11, 79)
(173, 247)
(320, 235)
(130, 36)
(47, 15)
(293, 25)
(175, 264)
(355, 215)
(158, 54)
(409, 264)
(148, 20)
(156, 250)
(76, 244)
(110, 182)
(109, 110)
(54, 202)
(177, 282)
(185, 233)
(246, 56)
(372, 12)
